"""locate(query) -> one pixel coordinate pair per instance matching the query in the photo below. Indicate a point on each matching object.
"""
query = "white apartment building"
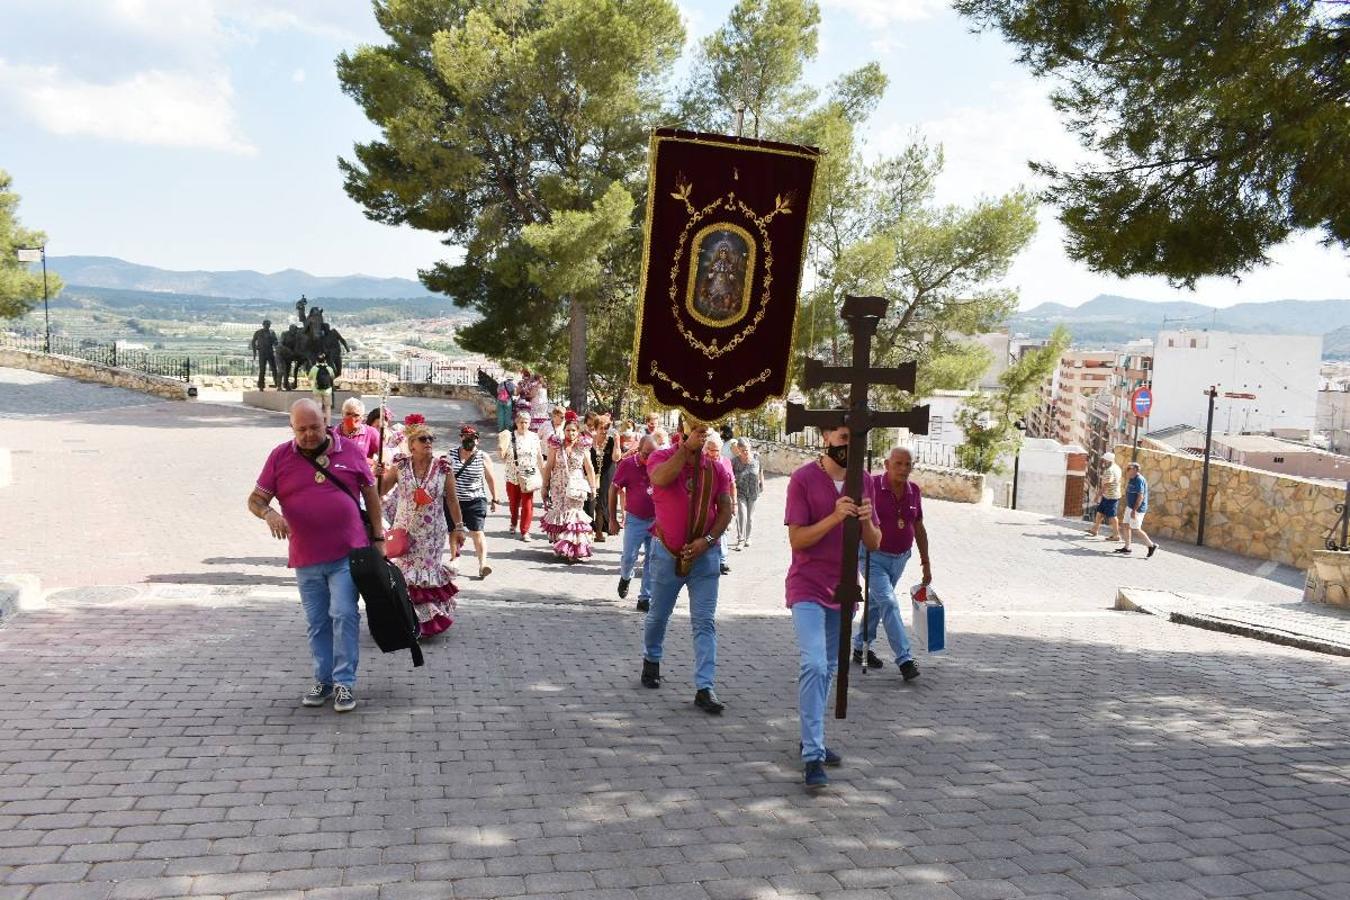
(1280, 370)
(1082, 374)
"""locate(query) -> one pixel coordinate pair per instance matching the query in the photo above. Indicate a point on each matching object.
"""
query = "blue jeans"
(637, 535)
(883, 576)
(503, 416)
(328, 595)
(702, 582)
(818, 643)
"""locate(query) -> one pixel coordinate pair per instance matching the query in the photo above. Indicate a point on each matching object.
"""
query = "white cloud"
(988, 147)
(162, 108)
(882, 13)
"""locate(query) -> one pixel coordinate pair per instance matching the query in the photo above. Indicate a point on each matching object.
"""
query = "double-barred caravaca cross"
(862, 314)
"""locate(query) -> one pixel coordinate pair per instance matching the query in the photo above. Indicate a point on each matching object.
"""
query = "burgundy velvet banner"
(726, 237)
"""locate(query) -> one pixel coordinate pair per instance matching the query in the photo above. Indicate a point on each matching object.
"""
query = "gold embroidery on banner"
(712, 349)
(707, 392)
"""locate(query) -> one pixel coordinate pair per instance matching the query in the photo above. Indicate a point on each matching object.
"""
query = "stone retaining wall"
(82, 370)
(937, 482)
(1251, 512)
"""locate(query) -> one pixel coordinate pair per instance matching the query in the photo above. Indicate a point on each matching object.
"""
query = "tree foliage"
(1216, 129)
(518, 129)
(20, 287)
(989, 420)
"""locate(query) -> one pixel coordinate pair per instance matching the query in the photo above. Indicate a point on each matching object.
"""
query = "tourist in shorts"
(473, 474)
(1136, 505)
(1108, 500)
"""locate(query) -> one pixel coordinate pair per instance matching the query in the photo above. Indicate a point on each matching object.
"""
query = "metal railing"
(148, 362)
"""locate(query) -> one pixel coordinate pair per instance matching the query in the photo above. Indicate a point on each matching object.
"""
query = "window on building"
(1192, 343)
(1278, 459)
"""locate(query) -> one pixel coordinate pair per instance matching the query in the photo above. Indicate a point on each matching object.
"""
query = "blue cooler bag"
(930, 620)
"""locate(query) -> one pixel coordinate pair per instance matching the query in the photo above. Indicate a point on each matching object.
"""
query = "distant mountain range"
(244, 284)
(1110, 320)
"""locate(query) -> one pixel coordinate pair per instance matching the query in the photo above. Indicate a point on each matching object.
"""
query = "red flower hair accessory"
(414, 419)
(571, 416)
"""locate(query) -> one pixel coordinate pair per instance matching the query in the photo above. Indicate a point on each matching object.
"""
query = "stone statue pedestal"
(280, 401)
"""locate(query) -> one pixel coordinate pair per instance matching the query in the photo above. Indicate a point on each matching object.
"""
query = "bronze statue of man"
(264, 348)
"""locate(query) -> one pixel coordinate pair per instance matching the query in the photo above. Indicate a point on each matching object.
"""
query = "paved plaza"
(152, 743)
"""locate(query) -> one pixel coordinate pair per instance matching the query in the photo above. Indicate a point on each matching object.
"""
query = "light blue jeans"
(328, 595)
(883, 576)
(818, 643)
(637, 535)
(702, 582)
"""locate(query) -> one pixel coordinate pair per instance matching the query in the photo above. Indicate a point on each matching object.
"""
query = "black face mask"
(469, 443)
(839, 455)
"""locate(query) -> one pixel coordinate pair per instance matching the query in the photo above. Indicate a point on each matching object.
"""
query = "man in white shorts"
(1136, 505)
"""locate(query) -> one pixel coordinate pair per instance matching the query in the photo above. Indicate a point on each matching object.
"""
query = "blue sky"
(204, 133)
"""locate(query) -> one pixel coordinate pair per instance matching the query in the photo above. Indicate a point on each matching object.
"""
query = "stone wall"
(937, 482)
(81, 370)
(1251, 512)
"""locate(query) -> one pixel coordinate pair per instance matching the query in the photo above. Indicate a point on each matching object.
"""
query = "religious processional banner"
(722, 265)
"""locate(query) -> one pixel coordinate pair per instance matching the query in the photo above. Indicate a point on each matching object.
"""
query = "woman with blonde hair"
(425, 488)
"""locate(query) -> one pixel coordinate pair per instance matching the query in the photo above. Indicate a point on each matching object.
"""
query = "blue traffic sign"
(1141, 401)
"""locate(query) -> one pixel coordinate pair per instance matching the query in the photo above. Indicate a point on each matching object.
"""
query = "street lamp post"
(33, 254)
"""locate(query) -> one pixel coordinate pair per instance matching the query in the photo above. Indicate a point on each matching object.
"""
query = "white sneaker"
(526, 537)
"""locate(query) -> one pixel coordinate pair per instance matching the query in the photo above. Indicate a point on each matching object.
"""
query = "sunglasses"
(425, 439)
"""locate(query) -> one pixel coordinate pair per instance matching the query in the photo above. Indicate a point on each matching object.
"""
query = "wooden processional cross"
(862, 315)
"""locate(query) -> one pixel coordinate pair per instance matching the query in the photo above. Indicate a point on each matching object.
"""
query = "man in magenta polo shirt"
(899, 506)
(322, 524)
(632, 478)
(685, 481)
(816, 510)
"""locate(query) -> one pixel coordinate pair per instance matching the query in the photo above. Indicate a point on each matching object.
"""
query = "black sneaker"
(623, 588)
(873, 661)
(343, 699)
(651, 674)
(726, 569)
(832, 759)
(814, 775)
(706, 700)
(1122, 550)
(317, 695)
(1152, 550)
(643, 604)
(909, 670)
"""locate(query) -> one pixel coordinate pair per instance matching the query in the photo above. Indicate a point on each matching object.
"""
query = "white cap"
(1108, 457)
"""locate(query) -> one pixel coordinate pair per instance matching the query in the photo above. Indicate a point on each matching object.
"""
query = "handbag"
(396, 543)
(578, 488)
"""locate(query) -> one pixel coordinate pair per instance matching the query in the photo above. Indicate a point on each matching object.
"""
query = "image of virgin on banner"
(721, 270)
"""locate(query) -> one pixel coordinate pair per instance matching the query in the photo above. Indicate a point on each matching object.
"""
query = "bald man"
(322, 524)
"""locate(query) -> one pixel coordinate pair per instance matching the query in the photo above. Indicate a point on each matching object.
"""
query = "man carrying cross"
(817, 508)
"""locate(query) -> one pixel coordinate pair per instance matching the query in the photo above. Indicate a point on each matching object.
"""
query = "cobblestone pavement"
(152, 745)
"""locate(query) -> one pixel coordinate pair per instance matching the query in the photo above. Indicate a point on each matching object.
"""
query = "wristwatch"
(710, 539)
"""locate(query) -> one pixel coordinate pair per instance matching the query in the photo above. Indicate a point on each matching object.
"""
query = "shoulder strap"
(365, 517)
(465, 464)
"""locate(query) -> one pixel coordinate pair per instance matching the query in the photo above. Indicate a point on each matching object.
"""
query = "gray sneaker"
(317, 695)
(343, 699)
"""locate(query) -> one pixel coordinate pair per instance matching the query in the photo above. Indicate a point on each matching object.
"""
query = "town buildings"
(1273, 377)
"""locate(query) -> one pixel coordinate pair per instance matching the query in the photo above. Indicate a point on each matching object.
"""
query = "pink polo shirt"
(632, 477)
(325, 523)
(672, 501)
(365, 437)
(814, 572)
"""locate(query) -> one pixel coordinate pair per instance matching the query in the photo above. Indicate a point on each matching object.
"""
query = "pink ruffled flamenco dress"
(566, 523)
(429, 582)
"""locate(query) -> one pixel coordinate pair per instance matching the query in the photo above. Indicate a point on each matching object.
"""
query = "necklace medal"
(421, 497)
(319, 478)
